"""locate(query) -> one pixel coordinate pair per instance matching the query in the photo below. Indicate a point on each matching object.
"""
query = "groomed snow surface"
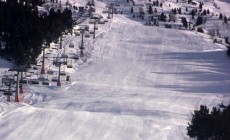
(141, 83)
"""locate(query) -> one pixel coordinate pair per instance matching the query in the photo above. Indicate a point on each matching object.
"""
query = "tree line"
(210, 125)
(24, 29)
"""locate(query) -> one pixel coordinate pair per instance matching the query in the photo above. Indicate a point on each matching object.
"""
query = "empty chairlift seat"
(101, 21)
(69, 66)
(87, 35)
(91, 21)
(71, 45)
(34, 81)
(46, 82)
(77, 33)
(62, 73)
(91, 32)
(23, 81)
(28, 74)
(50, 72)
(96, 27)
(54, 79)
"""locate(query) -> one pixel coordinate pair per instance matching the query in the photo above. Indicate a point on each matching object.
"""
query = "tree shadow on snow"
(210, 73)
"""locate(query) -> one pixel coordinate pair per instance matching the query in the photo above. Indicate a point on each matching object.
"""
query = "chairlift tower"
(90, 8)
(82, 30)
(60, 45)
(58, 62)
(59, 70)
(43, 57)
(8, 82)
(18, 69)
(94, 27)
(108, 12)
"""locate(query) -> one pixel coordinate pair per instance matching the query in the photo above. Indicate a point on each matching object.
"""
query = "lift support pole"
(17, 69)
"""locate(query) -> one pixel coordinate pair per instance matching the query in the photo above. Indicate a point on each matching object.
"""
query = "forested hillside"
(23, 29)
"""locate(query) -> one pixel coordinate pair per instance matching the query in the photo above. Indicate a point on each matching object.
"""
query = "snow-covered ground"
(139, 82)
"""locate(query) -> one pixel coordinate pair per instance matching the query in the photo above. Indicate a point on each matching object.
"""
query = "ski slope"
(140, 82)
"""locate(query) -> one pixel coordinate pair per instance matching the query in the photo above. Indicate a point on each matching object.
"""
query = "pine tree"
(150, 10)
(199, 21)
(225, 19)
(214, 125)
(200, 5)
(193, 14)
(208, 12)
(184, 22)
(204, 12)
(220, 16)
(131, 9)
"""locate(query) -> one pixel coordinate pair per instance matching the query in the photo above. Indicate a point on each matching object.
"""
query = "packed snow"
(135, 82)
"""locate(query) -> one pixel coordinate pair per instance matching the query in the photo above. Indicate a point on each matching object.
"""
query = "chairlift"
(56, 64)
(65, 63)
(34, 82)
(35, 68)
(71, 45)
(56, 46)
(96, 27)
(54, 79)
(23, 81)
(70, 65)
(9, 93)
(101, 21)
(77, 33)
(64, 55)
(62, 73)
(87, 35)
(50, 72)
(87, 27)
(91, 21)
(28, 75)
(46, 82)
(91, 32)
(76, 57)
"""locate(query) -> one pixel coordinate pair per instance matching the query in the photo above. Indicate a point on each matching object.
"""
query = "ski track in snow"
(141, 83)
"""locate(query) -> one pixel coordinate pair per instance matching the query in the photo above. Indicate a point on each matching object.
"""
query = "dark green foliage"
(204, 12)
(226, 40)
(214, 125)
(24, 29)
(199, 21)
(228, 51)
(161, 4)
(150, 10)
(131, 10)
(201, 5)
(225, 19)
(168, 26)
(184, 22)
(208, 12)
(200, 30)
(179, 11)
(220, 16)
(193, 14)
(163, 17)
